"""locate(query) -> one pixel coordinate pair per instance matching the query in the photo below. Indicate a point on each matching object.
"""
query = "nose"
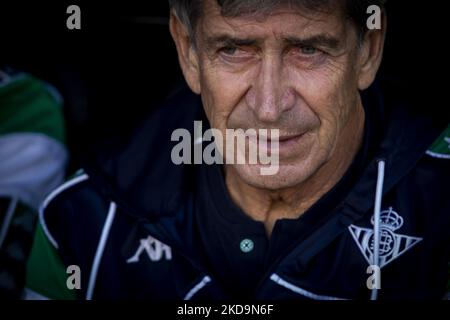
(270, 95)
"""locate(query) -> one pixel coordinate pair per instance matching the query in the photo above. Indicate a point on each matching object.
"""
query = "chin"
(287, 176)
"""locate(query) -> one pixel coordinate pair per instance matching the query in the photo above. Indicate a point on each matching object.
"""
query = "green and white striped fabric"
(32, 163)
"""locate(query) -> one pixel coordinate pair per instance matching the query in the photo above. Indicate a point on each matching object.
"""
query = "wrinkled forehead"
(284, 18)
(236, 8)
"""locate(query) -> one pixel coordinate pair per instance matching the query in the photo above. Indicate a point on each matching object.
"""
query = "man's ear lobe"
(371, 54)
(187, 56)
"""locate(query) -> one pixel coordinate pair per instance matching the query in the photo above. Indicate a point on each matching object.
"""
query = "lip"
(285, 146)
(289, 138)
(280, 138)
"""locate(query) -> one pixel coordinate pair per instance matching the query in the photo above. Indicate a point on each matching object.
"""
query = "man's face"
(293, 71)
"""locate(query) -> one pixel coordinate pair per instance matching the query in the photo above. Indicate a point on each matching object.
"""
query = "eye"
(235, 54)
(307, 50)
(308, 56)
(228, 50)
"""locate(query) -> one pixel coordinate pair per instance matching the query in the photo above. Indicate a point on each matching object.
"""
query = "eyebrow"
(320, 40)
(226, 40)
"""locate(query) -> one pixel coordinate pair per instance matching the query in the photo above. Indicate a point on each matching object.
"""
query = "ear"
(187, 55)
(371, 54)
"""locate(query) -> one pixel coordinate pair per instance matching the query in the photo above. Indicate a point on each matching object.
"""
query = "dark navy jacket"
(134, 197)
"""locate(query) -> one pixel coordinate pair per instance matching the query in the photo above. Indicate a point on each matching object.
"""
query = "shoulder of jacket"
(70, 205)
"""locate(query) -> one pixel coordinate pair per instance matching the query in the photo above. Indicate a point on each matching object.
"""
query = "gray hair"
(189, 11)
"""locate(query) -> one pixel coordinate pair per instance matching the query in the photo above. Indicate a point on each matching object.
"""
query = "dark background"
(122, 62)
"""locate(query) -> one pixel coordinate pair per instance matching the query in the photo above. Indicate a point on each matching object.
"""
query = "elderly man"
(356, 208)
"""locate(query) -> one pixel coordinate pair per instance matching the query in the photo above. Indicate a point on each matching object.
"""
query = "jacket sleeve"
(58, 263)
(46, 273)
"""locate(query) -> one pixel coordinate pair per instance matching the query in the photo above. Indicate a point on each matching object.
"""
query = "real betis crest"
(392, 245)
(441, 147)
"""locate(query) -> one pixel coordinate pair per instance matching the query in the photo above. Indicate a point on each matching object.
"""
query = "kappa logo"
(392, 245)
(156, 250)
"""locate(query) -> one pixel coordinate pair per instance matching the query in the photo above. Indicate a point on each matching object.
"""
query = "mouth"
(284, 139)
(284, 146)
(279, 138)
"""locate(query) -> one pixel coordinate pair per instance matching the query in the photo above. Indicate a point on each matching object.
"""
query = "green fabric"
(15, 248)
(442, 145)
(27, 106)
(46, 274)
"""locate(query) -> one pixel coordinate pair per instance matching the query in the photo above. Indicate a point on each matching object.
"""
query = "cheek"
(325, 92)
(221, 93)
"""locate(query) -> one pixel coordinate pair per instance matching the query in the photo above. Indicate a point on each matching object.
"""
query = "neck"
(268, 206)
